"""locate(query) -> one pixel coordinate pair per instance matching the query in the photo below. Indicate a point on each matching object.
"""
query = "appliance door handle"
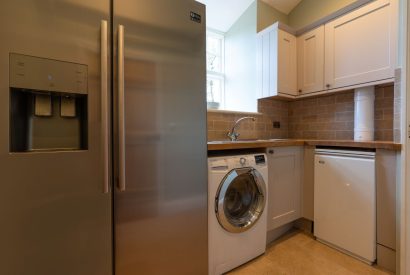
(104, 106)
(121, 120)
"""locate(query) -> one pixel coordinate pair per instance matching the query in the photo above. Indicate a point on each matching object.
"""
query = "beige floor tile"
(299, 254)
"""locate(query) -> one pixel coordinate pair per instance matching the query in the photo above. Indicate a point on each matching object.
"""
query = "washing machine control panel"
(260, 159)
(228, 163)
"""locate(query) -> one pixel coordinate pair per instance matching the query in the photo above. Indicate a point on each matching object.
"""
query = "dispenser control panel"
(36, 73)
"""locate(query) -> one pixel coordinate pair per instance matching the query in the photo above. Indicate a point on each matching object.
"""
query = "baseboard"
(275, 234)
(386, 258)
(304, 225)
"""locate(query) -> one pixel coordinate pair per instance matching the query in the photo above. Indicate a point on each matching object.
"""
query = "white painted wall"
(222, 14)
(284, 6)
(240, 63)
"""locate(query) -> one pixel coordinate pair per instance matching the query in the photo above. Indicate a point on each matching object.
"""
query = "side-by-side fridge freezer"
(103, 137)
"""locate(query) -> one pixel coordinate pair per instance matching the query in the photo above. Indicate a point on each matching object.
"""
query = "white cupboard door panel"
(272, 72)
(277, 63)
(284, 188)
(345, 203)
(265, 65)
(360, 46)
(287, 64)
(259, 67)
(311, 61)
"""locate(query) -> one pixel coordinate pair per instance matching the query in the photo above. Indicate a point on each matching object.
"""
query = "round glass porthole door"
(240, 199)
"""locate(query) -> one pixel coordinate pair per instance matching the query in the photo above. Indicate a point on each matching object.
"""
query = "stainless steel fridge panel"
(161, 214)
(55, 217)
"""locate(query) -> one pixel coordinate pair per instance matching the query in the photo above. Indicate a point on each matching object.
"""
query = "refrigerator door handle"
(104, 106)
(121, 121)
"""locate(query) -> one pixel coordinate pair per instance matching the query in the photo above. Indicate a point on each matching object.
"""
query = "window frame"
(217, 75)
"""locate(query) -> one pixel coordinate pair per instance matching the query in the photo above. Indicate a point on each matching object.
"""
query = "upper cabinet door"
(276, 55)
(360, 47)
(287, 64)
(311, 61)
(263, 75)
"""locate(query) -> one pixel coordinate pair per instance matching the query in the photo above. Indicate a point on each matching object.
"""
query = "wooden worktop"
(250, 144)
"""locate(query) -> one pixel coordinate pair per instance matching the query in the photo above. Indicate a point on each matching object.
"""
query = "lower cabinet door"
(284, 199)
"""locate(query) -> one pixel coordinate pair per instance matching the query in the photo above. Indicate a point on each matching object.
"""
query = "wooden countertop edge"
(388, 145)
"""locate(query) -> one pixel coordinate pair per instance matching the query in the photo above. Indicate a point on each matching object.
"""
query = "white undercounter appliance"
(237, 198)
(345, 201)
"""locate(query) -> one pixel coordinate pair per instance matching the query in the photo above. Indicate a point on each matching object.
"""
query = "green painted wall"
(268, 15)
(309, 11)
(240, 63)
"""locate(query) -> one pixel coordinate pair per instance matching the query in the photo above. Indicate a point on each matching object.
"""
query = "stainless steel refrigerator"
(103, 137)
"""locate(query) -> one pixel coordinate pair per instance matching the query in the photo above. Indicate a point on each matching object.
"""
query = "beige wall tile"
(324, 117)
(397, 106)
(344, 135)
(272, 110)
(332, 116)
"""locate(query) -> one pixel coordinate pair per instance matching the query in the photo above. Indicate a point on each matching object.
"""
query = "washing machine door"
(240, 199)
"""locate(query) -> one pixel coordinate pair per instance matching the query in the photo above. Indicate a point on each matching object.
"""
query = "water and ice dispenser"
(48, 104)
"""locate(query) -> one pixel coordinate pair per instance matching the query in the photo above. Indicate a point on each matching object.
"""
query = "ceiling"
(222, 14)
(284, 6)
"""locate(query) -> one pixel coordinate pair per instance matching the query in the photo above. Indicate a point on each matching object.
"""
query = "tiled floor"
(299, 254)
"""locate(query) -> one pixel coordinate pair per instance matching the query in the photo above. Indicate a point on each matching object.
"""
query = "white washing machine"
(237, 215)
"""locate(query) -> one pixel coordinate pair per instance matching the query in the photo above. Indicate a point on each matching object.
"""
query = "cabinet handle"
(300, 91)
(327, 85)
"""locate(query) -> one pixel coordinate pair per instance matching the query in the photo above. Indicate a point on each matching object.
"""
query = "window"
(215, 70)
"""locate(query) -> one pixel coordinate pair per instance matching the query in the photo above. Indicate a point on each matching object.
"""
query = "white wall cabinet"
(284, 189)
(354, 50)
(276, 62)
(360, 47)
(311, 61)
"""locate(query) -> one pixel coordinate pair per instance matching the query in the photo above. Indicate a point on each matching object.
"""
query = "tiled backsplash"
(327, 117)
(324, 117)
(332, 116)
(397, 106)
(384, 113)
(271, 110)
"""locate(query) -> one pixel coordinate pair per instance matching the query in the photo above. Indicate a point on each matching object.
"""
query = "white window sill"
(233, 112)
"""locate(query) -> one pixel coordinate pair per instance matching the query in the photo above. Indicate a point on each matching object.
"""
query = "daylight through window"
(215, 70)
